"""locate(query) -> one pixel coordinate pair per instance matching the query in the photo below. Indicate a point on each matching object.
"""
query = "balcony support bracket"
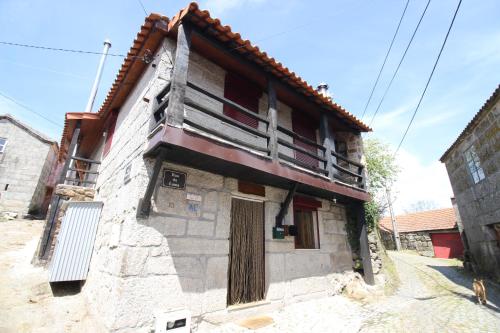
(145, 202)
(285, 205)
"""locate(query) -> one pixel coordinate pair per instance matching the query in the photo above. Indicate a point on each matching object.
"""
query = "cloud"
(419, 182)
(217, 7)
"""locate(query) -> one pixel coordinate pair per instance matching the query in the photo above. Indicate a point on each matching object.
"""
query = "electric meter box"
(278, 233)
(173, 322)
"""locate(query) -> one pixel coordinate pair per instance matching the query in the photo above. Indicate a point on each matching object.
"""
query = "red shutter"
(244, 93)
(110, 131)
(305, 126)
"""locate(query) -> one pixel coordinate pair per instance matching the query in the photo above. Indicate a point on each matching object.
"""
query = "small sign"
(193, 197)
(174, 179)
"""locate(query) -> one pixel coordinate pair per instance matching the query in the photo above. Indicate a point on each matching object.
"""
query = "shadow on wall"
(465, 280)
(188, 262)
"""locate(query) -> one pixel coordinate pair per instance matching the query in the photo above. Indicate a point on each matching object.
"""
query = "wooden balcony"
(192, 129)
(210, 140)
(81, 172)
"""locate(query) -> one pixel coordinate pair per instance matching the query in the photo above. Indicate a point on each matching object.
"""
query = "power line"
(29, 109)
(430, 77)
(400, 62)
(162, 45)
(61, 49)
(385, 59)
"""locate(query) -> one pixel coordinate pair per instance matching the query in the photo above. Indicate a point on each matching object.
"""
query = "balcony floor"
(193, 150)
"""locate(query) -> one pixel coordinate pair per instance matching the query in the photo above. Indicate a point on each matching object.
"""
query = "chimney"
(323, 90)
(93, 92)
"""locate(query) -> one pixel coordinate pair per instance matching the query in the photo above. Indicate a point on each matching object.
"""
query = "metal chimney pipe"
(93, 92)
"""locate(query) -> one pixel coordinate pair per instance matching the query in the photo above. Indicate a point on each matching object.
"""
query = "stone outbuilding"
(27, 158)
(473, 165)
(227, 182)
(432, 233)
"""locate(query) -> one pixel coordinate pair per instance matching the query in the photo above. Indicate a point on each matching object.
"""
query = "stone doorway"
(246, 278)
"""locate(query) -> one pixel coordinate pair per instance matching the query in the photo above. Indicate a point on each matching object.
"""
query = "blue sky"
(340, 42)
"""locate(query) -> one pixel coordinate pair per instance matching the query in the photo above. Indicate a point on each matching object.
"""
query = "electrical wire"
(162, 45)
(399, 65)
(385, 59)
(62, 49)
(430, 77)
(29, 109)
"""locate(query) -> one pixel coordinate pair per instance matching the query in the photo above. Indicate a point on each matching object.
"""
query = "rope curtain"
(246, 280)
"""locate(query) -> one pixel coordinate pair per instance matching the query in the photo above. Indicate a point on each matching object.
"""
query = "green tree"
(382, 171)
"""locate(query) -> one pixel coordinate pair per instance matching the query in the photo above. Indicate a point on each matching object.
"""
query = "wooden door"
(246, 279)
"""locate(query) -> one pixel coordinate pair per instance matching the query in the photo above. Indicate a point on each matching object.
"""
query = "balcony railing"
(82, 172)
(204, 114)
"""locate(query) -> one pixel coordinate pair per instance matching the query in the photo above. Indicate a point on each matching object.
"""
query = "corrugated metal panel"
(75, 241)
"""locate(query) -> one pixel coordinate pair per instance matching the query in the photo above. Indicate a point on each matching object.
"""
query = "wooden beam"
(272, 117)
(286, 204)
(145, 203)
(364, 246)
(175, 109)
(328, 142)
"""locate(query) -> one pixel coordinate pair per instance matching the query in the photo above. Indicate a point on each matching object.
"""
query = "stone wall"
(419, 241)
(24, 168)
(178, 257)
(479, 204)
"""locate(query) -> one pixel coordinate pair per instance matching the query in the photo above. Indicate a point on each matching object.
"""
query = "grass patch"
(391, 274)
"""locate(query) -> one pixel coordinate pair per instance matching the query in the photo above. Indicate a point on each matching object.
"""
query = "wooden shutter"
(244, 93)
(305, 126)
(110, 132)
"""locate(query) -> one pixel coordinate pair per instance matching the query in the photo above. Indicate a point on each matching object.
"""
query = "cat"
(479, 290)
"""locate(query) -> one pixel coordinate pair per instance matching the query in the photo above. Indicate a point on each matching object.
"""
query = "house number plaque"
(174, 179)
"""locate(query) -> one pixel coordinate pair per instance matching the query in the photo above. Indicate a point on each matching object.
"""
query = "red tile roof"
(438, 219)
(131, 68)
(494, 98)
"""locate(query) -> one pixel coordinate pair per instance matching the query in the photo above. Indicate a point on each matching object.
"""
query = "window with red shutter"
(109, 132)
(244, 93)
(306, 127)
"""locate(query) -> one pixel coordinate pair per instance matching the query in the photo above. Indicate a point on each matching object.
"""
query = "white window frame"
(474, 165)
(2, 146)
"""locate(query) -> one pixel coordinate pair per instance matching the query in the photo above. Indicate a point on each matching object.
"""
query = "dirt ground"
(434, 295)
(27, 303)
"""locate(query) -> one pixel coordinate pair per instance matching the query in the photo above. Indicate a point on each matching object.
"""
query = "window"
(244, 93)
(305, 219)
(474, 165)
(3, 143)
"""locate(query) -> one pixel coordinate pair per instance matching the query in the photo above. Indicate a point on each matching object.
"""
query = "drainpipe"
(93, 92)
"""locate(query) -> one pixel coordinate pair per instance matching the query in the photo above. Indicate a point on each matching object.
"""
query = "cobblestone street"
(434, 296)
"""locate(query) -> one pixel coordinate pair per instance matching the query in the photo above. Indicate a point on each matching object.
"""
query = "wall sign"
(174, 179)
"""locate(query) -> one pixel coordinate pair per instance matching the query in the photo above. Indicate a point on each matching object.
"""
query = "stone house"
(432, 233)
(473, 165)
(225, 179)
(27, 158)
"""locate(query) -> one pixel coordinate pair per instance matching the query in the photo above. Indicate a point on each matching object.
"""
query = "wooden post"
(54, 203)
(145, 204)
(272, 117)
(364, 246)
(328, 142)
(175, 109)
(285, 205)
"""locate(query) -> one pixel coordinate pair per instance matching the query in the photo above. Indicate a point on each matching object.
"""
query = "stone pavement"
(434, 296)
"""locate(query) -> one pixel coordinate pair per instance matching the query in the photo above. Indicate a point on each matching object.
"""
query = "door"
(447, 245)
(305, 126)
(246, 279)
